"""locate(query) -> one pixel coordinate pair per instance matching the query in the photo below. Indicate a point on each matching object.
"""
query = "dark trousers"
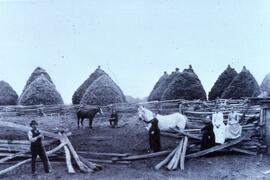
(39, 151)
(113, 123)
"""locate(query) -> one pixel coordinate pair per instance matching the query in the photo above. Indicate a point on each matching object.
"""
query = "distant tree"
(222, 83)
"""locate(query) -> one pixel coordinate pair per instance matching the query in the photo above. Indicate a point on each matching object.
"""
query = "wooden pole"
(28, 160)
(177, 155)
(216, 148)
(166, 160)
(183, 154)
(23, 152)
(68, 158)
(80, 164)
(26, 129)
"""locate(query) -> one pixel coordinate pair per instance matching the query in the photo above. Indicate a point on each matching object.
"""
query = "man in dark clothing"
(154, 136)
(37, 148)
(114, 119)
(208, 139)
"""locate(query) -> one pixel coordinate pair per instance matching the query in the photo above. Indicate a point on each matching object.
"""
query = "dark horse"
(88, 114)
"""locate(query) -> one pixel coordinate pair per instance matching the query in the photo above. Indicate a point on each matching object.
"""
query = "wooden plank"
(143, 156)
(68, 158)
(177, 155)
(166, 160)
(23, 152)
(103, 154)
(90, 164)
(80, 164)
(183, 154)
(28, 160)
(26, 129)
(216, 148)
(170, 135)
(243, 151)
(108, 161)
(187, 134)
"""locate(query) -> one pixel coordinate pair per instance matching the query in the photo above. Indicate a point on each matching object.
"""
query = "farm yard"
(131, 138)
(123, 152)
(134, 90)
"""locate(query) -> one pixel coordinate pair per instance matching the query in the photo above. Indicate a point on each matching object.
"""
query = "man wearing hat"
(154, 135)
(37, 148)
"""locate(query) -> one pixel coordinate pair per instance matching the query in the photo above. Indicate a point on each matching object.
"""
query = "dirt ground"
(131, 138)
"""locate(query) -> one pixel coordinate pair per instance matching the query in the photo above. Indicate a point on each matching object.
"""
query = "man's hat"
(33, 122)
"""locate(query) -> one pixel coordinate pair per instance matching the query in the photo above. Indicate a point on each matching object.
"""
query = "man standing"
(37, 148)
(114, 119)
(154, 136)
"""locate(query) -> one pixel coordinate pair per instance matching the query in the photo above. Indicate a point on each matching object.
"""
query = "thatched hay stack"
(103, 91)
(162, 85)
(265, 86)
(159, 88)
(243, 85)
(40, 91)
(7, 94)
(185, 85)
(77, 96)
(35, 74)
(222, 83)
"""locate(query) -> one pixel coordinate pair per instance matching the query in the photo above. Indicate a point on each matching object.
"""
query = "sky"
(134, 41)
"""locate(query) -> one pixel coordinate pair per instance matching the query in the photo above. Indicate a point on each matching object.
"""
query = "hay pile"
(40, 91)
(7, 94)
(243, 85)
(159, 88)
(162, 85)
(265, 86)
(222, 83)
(77, 96)
(185, 85)
(103, 91)
(35, 74)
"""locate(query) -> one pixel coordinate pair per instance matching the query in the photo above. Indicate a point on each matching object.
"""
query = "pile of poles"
(251, 141)
(19, 150)
(176, 158)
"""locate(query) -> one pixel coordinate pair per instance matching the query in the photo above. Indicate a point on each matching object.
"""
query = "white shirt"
(31, 138)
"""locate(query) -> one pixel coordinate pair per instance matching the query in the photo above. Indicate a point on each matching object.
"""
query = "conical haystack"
(103, 91)
(265, 86)
(162, 85)
(7, 94)
(77, 96)
(185, 85)
(222, 83)
(243, 85)
(159, 88)
(41, 91)
(35, 74)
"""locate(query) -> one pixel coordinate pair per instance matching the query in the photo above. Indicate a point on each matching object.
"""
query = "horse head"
(100, 111)
(145, 114)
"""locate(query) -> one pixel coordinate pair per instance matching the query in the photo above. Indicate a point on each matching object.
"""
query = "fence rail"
(163, 107)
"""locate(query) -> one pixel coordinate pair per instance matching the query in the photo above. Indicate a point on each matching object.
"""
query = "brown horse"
(87, 114)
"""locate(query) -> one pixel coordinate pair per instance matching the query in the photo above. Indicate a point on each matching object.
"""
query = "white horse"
(175, 120)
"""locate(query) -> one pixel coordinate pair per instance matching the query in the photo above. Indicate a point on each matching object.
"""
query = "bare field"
(130, 138)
